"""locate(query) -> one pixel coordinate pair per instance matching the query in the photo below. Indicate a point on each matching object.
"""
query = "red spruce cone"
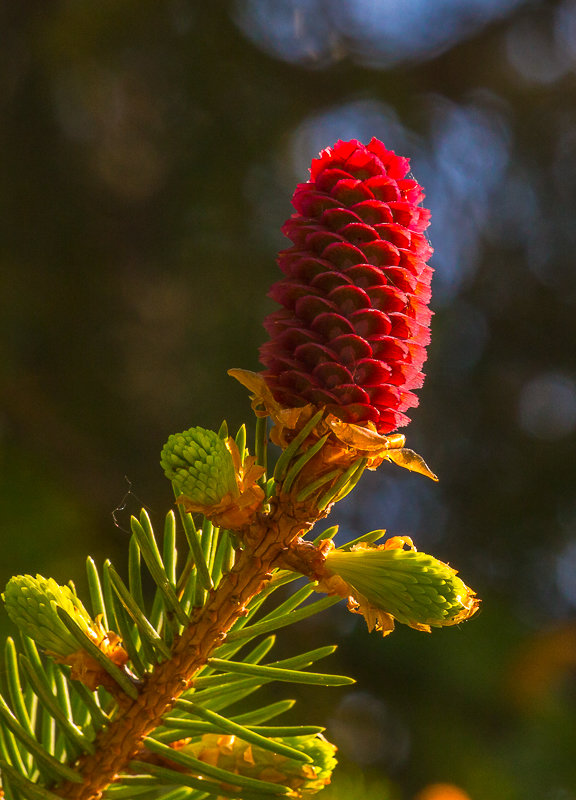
(354, 324)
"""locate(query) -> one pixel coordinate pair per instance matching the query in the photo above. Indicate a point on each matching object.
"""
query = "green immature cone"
(388, 582)
(32, 605)
(235, 755)
(200, 466)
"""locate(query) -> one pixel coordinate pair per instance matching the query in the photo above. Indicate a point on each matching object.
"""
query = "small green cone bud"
(414, 588)
(31, 604)
(200, 466)
(235, 755)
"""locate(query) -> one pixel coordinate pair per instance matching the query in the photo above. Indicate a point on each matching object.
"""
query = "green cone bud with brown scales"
(235, 755)
(414, 588)
(199, 465)
(31, 604)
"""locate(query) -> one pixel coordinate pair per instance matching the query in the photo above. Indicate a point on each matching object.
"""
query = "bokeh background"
(148, 153)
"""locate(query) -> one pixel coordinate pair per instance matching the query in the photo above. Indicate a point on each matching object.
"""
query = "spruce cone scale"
(354, 321)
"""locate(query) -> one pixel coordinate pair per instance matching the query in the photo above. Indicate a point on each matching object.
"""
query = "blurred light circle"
(547, 406)
(566, 572)
(378, 33)
(565, 30)
(367, 731)
(532, 52)
(353, 119)
(442, 791)
(296, 31)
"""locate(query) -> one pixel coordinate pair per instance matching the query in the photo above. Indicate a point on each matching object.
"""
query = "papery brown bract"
(354, 324)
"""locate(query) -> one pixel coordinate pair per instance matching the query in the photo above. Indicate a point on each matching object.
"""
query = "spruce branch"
(133, 701)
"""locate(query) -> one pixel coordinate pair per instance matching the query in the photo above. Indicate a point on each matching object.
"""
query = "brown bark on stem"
(266, 540)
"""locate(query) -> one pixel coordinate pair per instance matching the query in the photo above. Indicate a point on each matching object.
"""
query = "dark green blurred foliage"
(148, 154)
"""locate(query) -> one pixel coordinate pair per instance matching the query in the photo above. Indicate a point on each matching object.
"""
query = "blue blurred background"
(148, 153)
